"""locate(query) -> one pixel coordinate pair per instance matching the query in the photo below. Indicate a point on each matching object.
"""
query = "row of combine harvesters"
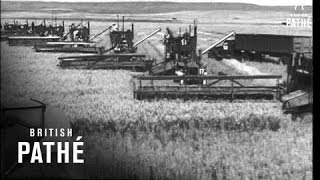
(183, 64)
(180, 74)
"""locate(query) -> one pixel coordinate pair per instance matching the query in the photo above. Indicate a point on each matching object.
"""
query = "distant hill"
(135, 7)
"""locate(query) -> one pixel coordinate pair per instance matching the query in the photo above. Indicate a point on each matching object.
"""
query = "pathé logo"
(297, 5)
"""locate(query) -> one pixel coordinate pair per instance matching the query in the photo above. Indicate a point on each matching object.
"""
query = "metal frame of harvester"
(122, 53)
(28, 35)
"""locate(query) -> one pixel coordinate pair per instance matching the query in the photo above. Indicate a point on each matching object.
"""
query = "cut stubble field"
(165, 139)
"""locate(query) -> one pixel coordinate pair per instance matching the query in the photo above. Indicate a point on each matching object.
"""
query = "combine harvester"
(35, 34)
(294, 51)
(180, 54)
(76, 40)
(299, 98)
(12, 29)
(182, 65)
(123, 54)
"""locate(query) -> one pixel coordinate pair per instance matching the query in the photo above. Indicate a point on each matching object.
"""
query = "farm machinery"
(180, 54)
(77, 39)
(27, 35)
(123, 53)
(259, 47)
(293, 51)
(298, 99)
(182, 74)
(15, 28)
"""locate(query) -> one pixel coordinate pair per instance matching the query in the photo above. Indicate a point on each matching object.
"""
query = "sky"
(258, 2)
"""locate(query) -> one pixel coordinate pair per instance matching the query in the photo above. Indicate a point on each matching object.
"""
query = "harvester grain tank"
(122, 54)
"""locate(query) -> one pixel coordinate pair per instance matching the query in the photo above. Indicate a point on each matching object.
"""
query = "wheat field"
(126, 138)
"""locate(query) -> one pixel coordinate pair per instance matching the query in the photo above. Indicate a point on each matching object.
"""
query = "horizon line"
(169, 1)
